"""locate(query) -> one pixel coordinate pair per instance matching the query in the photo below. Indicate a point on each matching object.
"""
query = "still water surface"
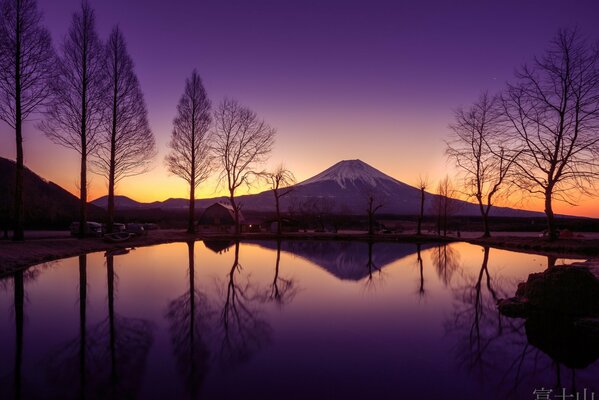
(268, 320)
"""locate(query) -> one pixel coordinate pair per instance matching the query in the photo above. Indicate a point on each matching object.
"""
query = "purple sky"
(375, 80)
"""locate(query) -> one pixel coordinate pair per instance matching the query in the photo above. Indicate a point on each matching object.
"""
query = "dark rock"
(516, 307)
(563, 339)
(566, 290)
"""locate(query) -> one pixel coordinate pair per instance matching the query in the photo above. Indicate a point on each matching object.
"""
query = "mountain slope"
(46, 203)
(342, 188)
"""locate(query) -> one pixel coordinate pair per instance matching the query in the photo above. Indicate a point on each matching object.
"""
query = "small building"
(219, 218)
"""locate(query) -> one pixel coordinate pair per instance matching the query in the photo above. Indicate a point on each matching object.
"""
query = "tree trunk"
(192, 208)
(487, 230)
(112, 166)
(236, 213)
(18, 233)
(421, 216)
(278, 213)
(83, 195)
(551, 229)
(484, 213)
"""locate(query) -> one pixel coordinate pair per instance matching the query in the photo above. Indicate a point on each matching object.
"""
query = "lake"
(279, 320)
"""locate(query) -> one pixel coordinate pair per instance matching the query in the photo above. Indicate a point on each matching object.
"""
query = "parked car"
(136, 229)
(151, 227)
(118, 227)
(91, 229)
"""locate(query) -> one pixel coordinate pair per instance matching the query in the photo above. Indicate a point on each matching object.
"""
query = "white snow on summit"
(350, 171)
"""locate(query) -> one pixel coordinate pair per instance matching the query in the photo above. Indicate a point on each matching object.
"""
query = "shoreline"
(21, 255)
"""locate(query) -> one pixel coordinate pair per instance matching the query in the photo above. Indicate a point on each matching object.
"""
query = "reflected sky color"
(328, 72)
(399, 328)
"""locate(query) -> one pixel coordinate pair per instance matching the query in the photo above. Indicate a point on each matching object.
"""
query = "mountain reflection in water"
(282, 319)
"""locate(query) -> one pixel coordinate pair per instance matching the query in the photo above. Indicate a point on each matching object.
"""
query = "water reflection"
(19, 301)
(351, 261)
(244, 329)
(283, 290)
(107, 359)
(189, 318)
(69, 363)
(212, 320)
(446, 261)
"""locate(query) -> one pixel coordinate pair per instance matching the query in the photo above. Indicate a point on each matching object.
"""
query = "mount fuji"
(345, 187)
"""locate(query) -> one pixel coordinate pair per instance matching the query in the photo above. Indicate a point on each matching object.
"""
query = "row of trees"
(88, 93)
(231, 140)
(539, 136)
(92, 103)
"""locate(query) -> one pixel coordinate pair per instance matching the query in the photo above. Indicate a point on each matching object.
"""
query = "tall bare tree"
(553, 111)
(373, 204)
(241, 142)
(190, 157)
(26, 65)
(74, 118)
(476, 147)
(422, 185)
(127, 145)
(281, 180)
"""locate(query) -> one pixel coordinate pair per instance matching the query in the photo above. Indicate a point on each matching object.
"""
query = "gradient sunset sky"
(374, 80)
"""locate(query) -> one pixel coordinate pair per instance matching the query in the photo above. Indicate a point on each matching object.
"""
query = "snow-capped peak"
(350, 171)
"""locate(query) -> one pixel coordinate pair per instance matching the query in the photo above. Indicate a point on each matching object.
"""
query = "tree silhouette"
(241, 143)
(477, 147)
(553, 115)
(26, 66)
(422, 185)
(280, 181)
(190, 156)
(74, 117)
(127, 144)
(373, 204)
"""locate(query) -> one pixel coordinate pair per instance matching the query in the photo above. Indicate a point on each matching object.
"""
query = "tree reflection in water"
(372, 268)
(107, 359)
(447, 261)
(190, 317)
(508, 355)
(421, 291)
(283, 290)
(243, 330)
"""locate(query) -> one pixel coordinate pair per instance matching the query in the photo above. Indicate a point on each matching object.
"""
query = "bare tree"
(444, 205)
(74, 118)
(553, 112)
(280, 181)
(422, 185)
(241, 142)
(477, 149)
(373, 205)
(190, 157)
(26, 65)
(127, 145)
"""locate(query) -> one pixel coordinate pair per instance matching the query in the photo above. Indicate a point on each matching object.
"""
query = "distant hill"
(344, 186)
(46, 203)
